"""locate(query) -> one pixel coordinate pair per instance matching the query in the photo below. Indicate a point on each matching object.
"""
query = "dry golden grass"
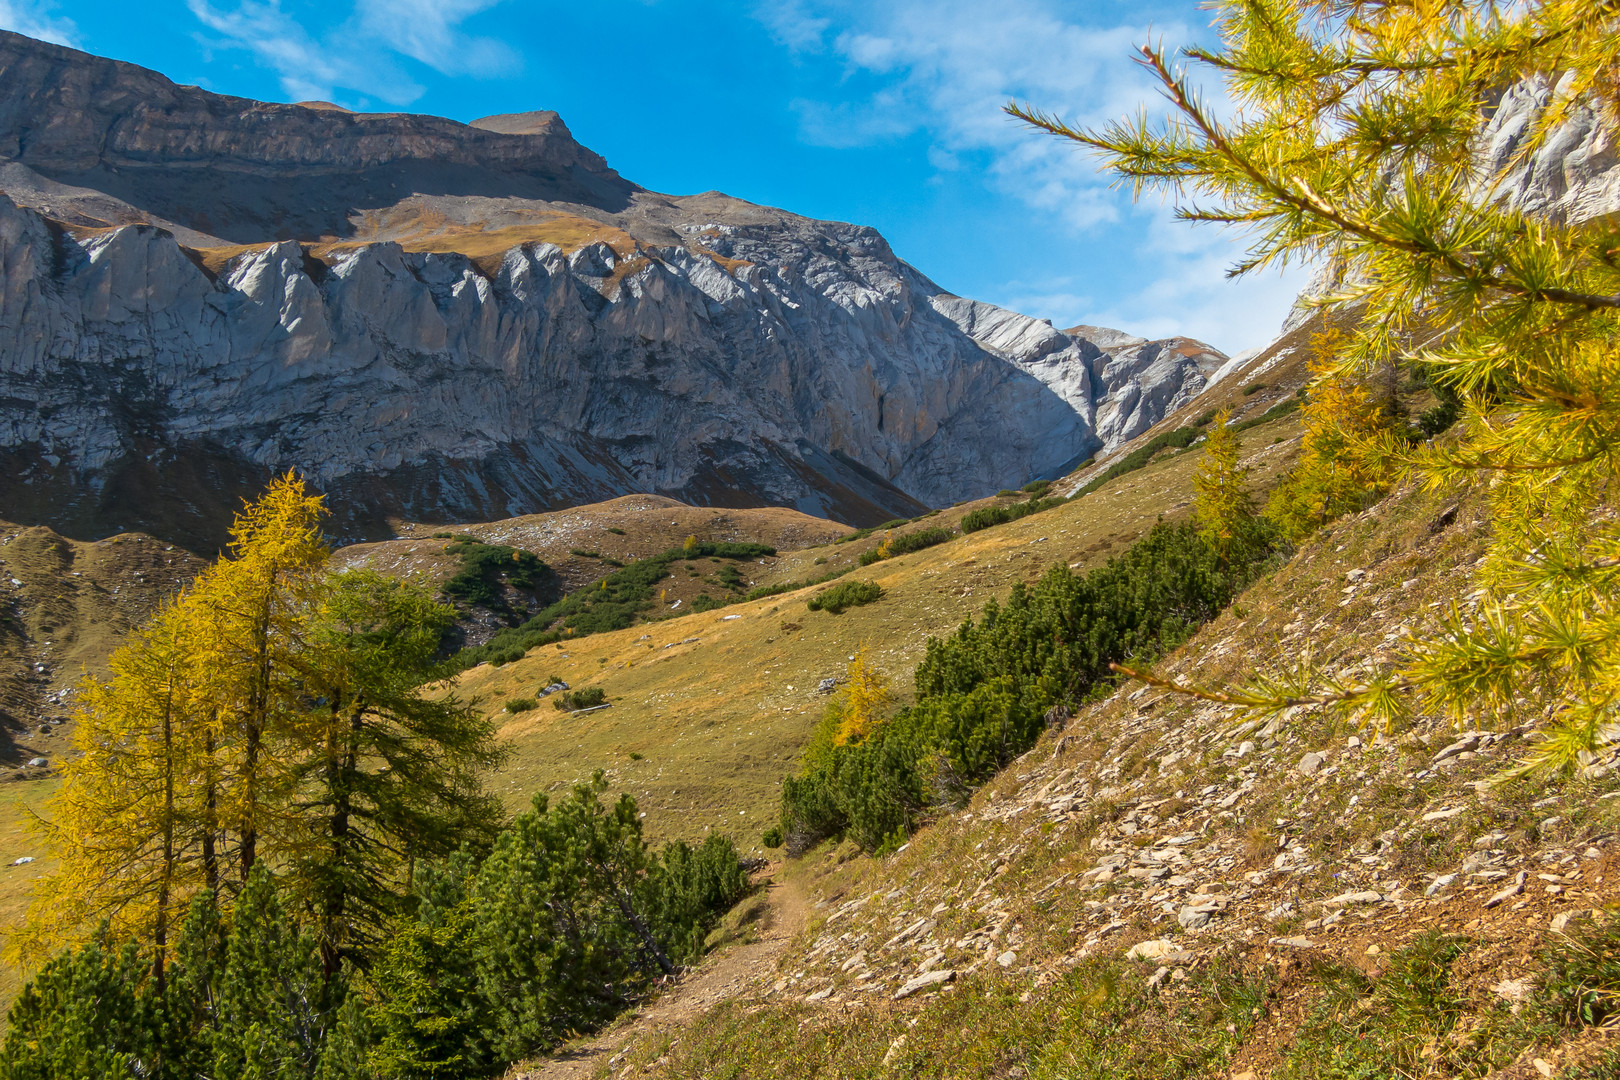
(432, 232)
(720, 720)
(428, 230)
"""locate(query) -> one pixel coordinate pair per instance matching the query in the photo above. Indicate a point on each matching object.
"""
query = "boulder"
(924, 981)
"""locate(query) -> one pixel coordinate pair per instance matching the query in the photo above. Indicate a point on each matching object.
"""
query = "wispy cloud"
(361, 56)
(945, 68)
(429, 31)
(1190, 293)
(35, 19)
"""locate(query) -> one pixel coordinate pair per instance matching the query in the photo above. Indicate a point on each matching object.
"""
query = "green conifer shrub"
(845, 595)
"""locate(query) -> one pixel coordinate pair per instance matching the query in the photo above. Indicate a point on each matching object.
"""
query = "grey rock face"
(717, 352)
(1573, 176)
(247, 170)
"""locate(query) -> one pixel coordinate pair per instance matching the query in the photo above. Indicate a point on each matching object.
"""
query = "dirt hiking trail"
(714, 980)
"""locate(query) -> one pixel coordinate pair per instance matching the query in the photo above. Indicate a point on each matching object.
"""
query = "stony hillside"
(66, 606)
(466, 322)
(575, 542)
(1204, 897)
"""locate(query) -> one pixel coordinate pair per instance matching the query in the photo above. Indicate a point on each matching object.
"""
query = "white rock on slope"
(545, 382)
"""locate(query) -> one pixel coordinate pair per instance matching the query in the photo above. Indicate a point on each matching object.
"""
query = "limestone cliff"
(443, 321)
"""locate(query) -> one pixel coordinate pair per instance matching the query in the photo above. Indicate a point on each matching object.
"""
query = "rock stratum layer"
(442, 321)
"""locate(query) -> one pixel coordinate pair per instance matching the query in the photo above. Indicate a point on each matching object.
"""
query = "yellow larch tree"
(1356, 134)
(257, 598)
(1339, 469)
(867, 699)
(130, 824)
(1221, 506)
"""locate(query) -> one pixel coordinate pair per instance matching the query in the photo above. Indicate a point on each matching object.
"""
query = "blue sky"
(883, 112)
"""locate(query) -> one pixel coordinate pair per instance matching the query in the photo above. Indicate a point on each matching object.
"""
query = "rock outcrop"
(1572, 176)
(442, 321)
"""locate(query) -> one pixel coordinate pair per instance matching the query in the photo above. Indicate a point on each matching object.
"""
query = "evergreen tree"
(1356, 140)
(272, 1005)
(83, 1017)
(433, 1020)
(385, 776)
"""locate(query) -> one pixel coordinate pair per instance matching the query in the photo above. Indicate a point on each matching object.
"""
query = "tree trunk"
(160, 931)
(622, 897)
(341, 762)
(210, 857)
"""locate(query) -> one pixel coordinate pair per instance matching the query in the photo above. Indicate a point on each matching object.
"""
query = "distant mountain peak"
(437, 320)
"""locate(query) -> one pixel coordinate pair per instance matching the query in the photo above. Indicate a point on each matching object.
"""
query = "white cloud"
(35, 20)
(429, 31)
(359, 55)
(946, 67)
(792, 24)
(1190, 294)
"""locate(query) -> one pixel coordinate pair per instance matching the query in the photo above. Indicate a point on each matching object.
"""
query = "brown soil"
(727, 974)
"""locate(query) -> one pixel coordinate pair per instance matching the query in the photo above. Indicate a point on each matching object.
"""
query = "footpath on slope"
(737, 968)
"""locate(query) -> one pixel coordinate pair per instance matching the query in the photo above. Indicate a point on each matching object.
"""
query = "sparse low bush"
(485, 567)
(905, 544)
(1276, 412)
(613, 603)
(1180, 438)
(846, 595)
(1036, 487)
(773, 837)
(521, 704)
(986, 516)
(586, 697)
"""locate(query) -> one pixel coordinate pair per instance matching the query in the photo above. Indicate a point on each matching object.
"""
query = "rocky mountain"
(440, 321)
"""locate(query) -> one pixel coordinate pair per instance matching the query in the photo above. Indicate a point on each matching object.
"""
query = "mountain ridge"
(462, 350)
